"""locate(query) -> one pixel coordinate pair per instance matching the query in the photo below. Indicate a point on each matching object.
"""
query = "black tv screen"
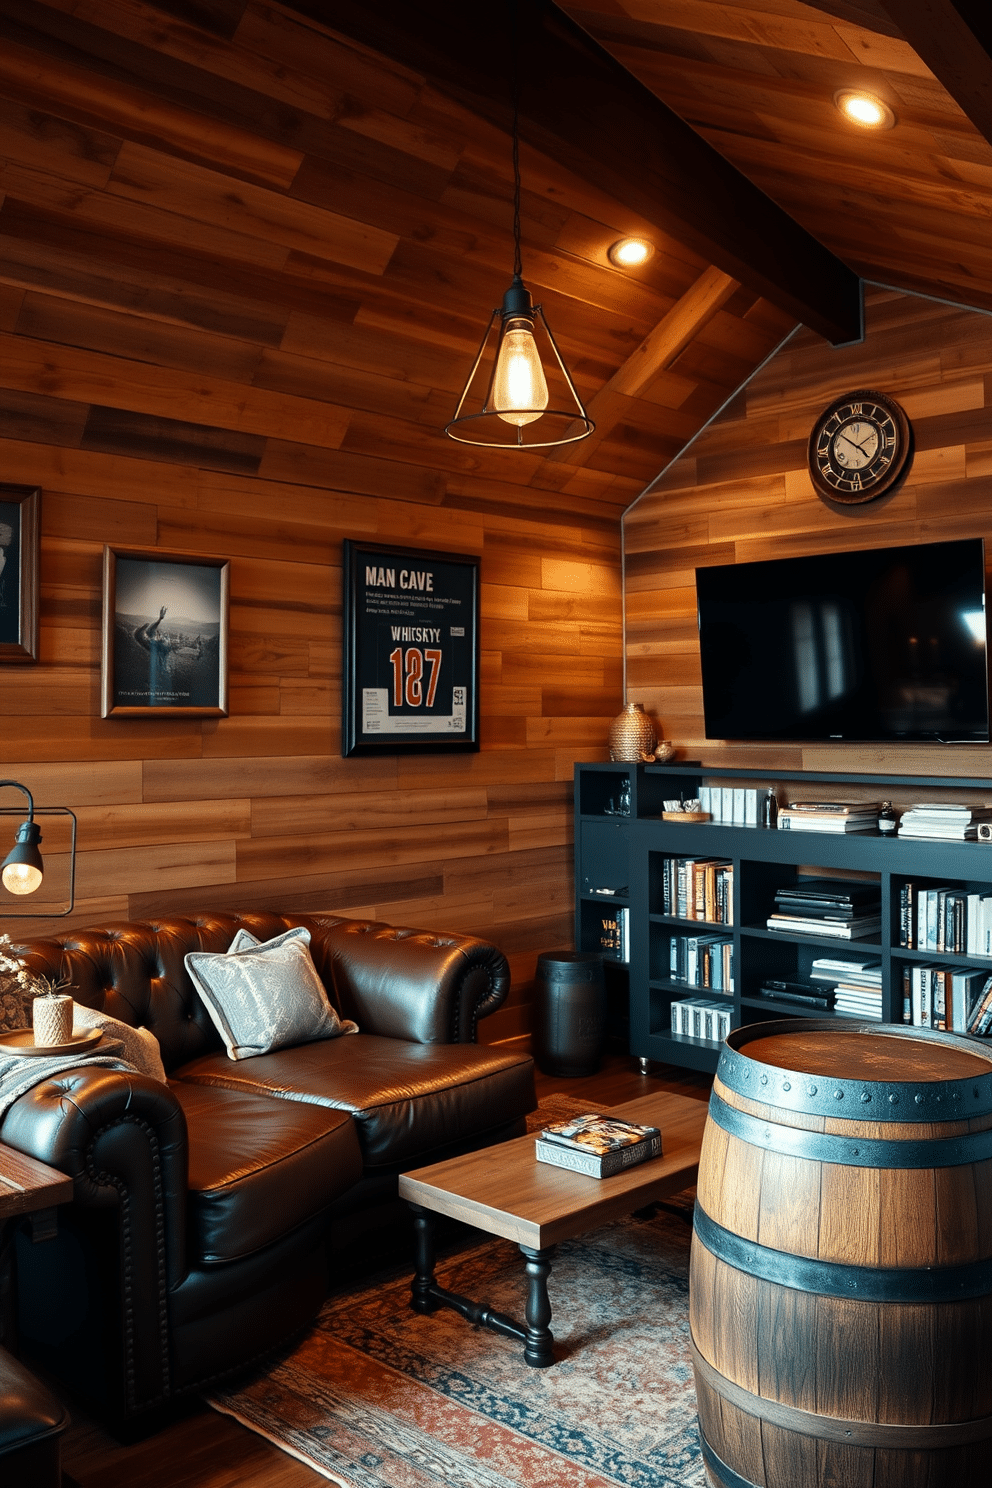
(867, 646)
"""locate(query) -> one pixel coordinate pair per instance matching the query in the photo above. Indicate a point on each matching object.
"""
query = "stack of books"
(597, 1145)
(951, 997)
(943, 821)
(702, 961)
(844, 909)
(698, 889)
(614, 934)
(857, 985)
(945, 919)
(695, 1017)
(734, 806)
(980, 1017)
(829, 816)
(810, 999)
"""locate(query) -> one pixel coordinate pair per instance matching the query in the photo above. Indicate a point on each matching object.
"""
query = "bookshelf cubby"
(631, 852)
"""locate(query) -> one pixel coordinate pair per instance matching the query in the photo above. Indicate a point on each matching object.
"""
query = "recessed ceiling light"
(629, 252)
(864, 109)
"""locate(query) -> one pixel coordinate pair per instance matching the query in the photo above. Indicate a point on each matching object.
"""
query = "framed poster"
(19, 536)
(411, 651)
(164, 635)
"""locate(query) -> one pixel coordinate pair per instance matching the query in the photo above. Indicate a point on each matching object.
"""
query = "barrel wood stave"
(786, 1373)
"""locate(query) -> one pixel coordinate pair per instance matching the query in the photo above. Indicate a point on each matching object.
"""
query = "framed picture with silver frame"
(165, 626)
(20, 526)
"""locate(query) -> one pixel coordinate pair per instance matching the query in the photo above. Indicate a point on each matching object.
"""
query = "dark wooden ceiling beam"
(954, 39)
(586, 112)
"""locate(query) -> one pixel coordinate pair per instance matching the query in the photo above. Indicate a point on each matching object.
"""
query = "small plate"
(21, 1041)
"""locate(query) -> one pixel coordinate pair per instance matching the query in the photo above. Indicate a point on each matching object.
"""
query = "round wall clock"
(859, 447)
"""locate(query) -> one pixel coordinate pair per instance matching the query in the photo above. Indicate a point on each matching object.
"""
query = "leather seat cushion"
(259, 1167)
(406, 1099)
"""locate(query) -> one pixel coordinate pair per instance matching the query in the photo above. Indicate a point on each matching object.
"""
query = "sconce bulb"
(520, 389)
(21, 878)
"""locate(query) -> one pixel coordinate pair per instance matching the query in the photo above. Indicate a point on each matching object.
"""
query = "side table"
(30, 1190)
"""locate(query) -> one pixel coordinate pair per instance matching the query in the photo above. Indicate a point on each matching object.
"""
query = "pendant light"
(505, 401)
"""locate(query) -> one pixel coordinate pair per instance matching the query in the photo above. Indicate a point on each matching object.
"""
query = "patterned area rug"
(376, 1396)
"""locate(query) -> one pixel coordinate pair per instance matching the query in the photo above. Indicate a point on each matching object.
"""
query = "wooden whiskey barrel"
(840, 1292)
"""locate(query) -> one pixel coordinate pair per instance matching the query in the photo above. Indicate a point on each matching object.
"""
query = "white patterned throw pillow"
(265, 997)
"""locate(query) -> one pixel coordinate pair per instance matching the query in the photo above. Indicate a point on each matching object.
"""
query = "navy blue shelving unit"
(628, 852)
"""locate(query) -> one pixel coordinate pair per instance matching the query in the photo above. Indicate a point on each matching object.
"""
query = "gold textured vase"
(632, 734)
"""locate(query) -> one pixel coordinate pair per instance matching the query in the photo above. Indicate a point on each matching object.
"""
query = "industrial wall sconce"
(23, 868)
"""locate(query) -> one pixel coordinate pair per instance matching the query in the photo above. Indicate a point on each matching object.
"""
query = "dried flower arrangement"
(19, 987)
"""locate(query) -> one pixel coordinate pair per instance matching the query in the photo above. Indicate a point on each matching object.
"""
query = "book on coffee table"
(597, 1145)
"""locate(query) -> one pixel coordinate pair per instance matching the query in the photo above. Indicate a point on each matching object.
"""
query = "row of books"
(702, 961)
(943, 822)
(698, 889)
(598, 1146)
(944, 997)
(945, 919)
(845, 909)
(614, 933)
(829, 816)
(695, 1017)
(948, 997)
(732, 805)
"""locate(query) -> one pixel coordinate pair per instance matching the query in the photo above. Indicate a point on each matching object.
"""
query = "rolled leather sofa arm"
(122, 1138)
(412, 984)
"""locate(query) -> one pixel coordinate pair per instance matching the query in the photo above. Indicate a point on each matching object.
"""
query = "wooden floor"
(207, 1450)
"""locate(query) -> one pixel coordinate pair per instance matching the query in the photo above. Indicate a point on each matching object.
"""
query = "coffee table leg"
(539, 1340)
(422, 1288)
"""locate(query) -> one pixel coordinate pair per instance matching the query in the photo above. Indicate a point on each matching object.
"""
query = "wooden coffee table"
(505, 1191)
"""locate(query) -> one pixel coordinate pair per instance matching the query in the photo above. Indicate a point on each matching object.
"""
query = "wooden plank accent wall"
(742, 492)
(243, 271)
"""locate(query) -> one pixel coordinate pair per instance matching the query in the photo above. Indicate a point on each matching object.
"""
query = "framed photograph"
(20, 526)
(165, 621)
(411, 651)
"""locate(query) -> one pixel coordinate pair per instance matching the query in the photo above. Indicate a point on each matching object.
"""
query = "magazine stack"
(829, 816)
(597, 1145)
(943, 821)
(857, 985)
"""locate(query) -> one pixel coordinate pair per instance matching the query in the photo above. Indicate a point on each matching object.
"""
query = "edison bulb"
(520, 389)
(21, 878)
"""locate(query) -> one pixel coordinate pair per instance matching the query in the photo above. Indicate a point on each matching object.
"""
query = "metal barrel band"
(837, 1279)
(924, 1437)
(853, 1151)
(724, 1474)
(878, 1100)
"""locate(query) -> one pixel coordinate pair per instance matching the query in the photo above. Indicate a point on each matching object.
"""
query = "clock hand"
(847, 440)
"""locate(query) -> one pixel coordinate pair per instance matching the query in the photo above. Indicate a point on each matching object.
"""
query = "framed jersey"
(411, 650)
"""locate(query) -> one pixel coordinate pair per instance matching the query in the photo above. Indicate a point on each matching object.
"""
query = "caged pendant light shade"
(507, 391)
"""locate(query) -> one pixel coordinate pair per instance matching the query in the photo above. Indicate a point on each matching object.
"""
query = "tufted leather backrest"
(385, 977)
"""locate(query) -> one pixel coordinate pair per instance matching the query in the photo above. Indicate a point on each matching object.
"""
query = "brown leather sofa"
(198, 1234)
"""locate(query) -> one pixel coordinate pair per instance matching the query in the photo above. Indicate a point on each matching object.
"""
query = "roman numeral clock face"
(859, 447)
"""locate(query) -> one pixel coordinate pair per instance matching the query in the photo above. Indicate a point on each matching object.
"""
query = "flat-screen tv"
(869, 646)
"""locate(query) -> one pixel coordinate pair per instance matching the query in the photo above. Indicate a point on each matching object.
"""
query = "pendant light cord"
(515, 84)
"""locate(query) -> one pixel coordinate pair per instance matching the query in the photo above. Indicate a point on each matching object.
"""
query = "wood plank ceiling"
(910, 206)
